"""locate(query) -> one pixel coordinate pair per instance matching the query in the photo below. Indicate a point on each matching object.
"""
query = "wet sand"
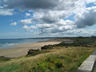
(21, 50)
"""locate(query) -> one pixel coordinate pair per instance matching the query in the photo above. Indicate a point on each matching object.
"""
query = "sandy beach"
(21, 50)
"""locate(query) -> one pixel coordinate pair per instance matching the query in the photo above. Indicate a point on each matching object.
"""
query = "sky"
(47, 18)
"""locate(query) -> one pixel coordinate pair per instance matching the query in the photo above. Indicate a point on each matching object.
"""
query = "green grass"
(10, 68)
(61, 62)
(59, 59)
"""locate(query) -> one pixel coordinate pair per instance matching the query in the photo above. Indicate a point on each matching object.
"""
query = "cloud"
(49, 14)
(6, 12)
(42, 4)
(87, 19)
(13, 24)
(30, 29)
(28, 14)
(26, 27)
(90, 1)
(32, 4)
(26, 21)
(59, 27)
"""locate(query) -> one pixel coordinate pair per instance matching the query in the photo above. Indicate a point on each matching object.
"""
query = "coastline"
(22, 49)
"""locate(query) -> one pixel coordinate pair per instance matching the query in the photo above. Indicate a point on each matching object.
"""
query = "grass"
(85, 42)
(2, 59)
(95, 68)
(58, 59)
(62, 62)
(10, 68)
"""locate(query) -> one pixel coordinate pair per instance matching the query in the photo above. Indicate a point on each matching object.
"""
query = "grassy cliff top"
(58, 59)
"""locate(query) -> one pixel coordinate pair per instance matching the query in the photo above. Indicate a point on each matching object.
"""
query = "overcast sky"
(47, 18)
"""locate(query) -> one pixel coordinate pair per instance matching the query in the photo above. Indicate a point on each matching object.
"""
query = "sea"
(8, 43)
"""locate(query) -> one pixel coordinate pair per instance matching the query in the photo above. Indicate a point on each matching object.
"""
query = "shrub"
(33, 52)
(2, 58)
(47, 47)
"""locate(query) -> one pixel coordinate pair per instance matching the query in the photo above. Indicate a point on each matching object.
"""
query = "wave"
(7, 43)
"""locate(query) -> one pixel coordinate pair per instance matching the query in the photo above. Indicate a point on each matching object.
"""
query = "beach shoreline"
(22, 49)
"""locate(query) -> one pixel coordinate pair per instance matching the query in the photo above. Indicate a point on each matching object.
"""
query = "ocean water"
(7, 43)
